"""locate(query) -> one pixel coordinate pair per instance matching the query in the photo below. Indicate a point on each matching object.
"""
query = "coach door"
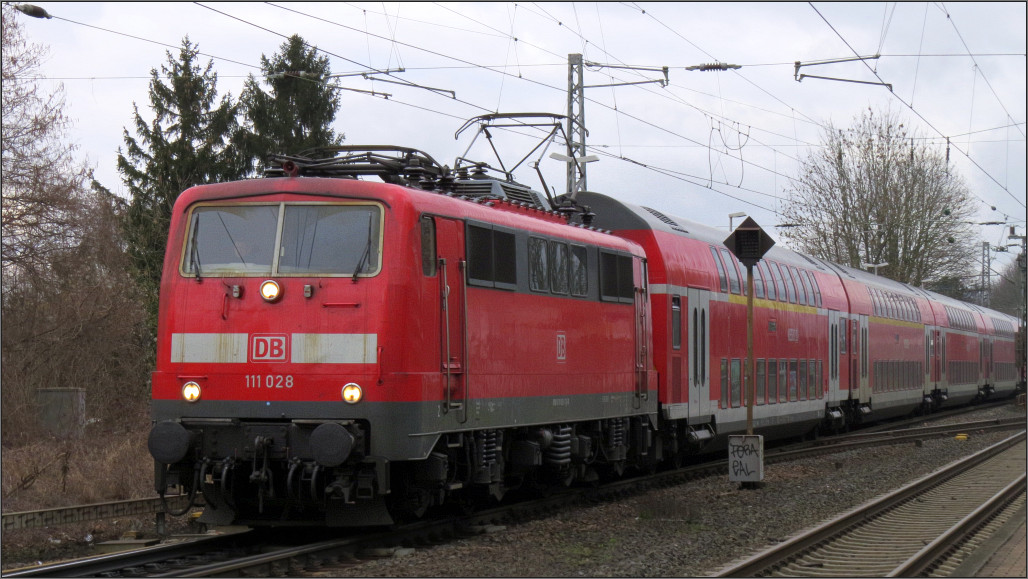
(453, 315)
(861, 360)
(642, 332)
(699, 341)
(934, 357)
(842, 373)
(834, 348)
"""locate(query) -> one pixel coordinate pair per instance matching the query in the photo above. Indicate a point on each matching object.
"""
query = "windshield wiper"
(367, 248)
(194, 251)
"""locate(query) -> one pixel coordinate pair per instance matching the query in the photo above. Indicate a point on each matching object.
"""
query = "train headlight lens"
(191, 392)
(352, 393)
(270, 291)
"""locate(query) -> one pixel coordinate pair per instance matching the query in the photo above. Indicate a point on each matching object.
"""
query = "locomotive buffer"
(749, 243)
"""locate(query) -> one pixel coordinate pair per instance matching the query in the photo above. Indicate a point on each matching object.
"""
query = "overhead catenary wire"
(920, 116)
(527, 79)
(599, 46)
(949, 18)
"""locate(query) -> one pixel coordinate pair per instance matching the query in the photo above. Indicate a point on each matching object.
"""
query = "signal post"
(748, 243)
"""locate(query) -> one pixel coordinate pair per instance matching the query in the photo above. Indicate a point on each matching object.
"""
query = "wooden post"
(752, 378)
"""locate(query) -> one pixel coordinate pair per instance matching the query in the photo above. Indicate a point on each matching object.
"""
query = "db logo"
(269, 348)
(562, 347)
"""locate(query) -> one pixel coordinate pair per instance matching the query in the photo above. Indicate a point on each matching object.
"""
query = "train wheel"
(411, 503)
(614, 470)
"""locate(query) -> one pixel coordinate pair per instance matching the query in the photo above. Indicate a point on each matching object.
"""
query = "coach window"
(724, 382)
(819, 377)
(803, 380)
(429, 259)
(579, 271)
(761, 391)
(758, 283)
(801, 296)
(812, 383)
(817, 290)
(792, 380)
(790, 289)
(736, 382)
(776, 273)
(676, 322)
(783, 380)
(769, 282)
(772, 381)
(842, 336)
(720, 269)
(559, 267)
(806, 286)
(733, 273)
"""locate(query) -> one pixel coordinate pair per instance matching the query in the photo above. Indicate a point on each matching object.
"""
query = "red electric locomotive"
(334, 350)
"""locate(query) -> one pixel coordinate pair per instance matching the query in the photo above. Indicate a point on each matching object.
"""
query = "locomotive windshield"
(283, 239)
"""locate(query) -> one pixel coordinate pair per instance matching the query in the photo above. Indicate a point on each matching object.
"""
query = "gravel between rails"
(693, 529)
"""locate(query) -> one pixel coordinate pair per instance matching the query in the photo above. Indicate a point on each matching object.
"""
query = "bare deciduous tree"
(872, 194)
(71, 314)
(41, 183)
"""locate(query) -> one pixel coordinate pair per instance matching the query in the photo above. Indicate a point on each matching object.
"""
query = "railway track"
(76, 514)
(266, 554)
(909, 532)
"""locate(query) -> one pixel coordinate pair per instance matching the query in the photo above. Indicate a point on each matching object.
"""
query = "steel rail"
(139, 558)
(794, 547)
(942, 428)
(923, 560)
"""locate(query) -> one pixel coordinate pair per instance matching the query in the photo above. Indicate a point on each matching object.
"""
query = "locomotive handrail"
(445, 294)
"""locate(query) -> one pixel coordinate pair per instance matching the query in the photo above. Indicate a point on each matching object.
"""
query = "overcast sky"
(708, 144)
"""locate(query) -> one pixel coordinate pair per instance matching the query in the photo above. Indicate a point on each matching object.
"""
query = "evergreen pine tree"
(186, 144)
(296, 115)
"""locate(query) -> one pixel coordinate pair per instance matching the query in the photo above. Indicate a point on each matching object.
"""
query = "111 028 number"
(269, 381)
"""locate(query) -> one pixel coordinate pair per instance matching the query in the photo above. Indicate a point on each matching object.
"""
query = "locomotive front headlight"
(191, 392)
(270, 290)
(352, 393)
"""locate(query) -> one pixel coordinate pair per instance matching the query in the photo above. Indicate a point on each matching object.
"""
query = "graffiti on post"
(745, 458)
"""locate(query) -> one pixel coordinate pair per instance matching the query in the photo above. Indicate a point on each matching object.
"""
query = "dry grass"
(106, 464)
(109, 463)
